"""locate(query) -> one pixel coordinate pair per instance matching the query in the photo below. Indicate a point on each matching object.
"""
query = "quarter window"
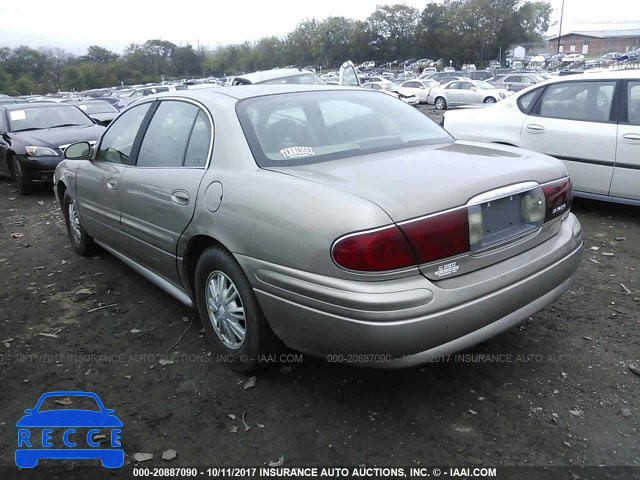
(524, 102)
(581, 101)
(198, 149)
(117, 142)
(165, 143)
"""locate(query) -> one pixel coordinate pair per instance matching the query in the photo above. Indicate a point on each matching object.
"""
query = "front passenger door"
(159, 192)
(98, 189)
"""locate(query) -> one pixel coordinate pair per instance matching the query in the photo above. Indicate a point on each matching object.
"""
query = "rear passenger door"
(626, 173)
(159, 191)
(574, 121)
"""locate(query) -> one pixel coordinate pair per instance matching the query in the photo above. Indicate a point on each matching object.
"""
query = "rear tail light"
(442, 235)
(438, 236)
(374, 251)
(558, 198)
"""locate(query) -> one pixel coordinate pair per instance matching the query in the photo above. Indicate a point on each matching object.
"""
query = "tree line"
(457, 30)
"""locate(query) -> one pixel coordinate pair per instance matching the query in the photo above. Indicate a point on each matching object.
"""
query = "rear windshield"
(312, 127)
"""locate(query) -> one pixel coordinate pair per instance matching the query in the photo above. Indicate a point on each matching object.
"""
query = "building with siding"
(594, 43)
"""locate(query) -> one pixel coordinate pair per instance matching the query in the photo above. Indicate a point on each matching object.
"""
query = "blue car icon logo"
(69, 433)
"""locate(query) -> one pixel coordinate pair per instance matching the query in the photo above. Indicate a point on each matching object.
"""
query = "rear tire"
(440, 103)
(21, 178)
(81, 242)
(229, 311)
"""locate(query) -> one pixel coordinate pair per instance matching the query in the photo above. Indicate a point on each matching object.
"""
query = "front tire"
(81, 242)
(21, 178)
(489, 100)
(229, 311)
(440, 103)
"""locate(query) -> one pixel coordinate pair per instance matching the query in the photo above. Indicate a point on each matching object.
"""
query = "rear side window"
(580, 101)
(165, 142)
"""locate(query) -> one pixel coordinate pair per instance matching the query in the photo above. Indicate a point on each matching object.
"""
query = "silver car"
(336, 220)
(465, 92)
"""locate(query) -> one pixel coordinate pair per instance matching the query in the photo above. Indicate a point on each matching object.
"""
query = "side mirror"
(78, 151)
(29, 411)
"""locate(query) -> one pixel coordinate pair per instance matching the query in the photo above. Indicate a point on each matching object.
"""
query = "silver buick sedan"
(334, 220)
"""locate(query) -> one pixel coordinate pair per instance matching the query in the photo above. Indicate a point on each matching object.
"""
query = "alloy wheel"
(225, 309)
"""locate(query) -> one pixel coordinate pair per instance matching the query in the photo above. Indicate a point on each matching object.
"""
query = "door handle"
(180, 197)
(631, 138)
(534, 128)
(112, 184)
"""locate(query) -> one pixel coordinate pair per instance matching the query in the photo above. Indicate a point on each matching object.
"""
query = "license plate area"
(501, 221)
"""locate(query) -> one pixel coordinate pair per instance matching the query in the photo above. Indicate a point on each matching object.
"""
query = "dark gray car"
(337, 220)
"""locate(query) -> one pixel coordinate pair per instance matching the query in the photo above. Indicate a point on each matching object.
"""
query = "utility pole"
(560, 32)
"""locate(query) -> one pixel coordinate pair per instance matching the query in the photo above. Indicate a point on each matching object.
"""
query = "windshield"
(304, 78)
(484, 85)
(47, 117)
(96, 107)
(312, 127)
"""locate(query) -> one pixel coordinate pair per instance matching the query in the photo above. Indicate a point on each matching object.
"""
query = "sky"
(114, 24)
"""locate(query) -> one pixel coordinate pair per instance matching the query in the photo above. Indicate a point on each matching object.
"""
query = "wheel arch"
(61, 189)
(196, 245)
(11, 154)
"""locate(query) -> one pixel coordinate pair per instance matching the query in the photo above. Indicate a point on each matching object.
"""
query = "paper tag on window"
(296, 152)
(82, 107)
(17, 115)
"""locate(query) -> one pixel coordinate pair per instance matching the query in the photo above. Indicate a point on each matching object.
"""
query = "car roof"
(264, 75)
(606, 75)
(241, 92)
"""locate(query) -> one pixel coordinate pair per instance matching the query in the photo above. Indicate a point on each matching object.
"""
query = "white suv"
(591, 122)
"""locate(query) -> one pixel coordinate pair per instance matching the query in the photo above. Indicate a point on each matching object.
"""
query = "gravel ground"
(557, 390)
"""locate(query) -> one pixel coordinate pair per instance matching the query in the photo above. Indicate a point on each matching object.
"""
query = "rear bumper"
(413, 319)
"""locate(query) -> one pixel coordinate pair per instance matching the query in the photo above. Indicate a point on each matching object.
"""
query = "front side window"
(581, 101)
(165, 142)
(312, 127)
(117, 142)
